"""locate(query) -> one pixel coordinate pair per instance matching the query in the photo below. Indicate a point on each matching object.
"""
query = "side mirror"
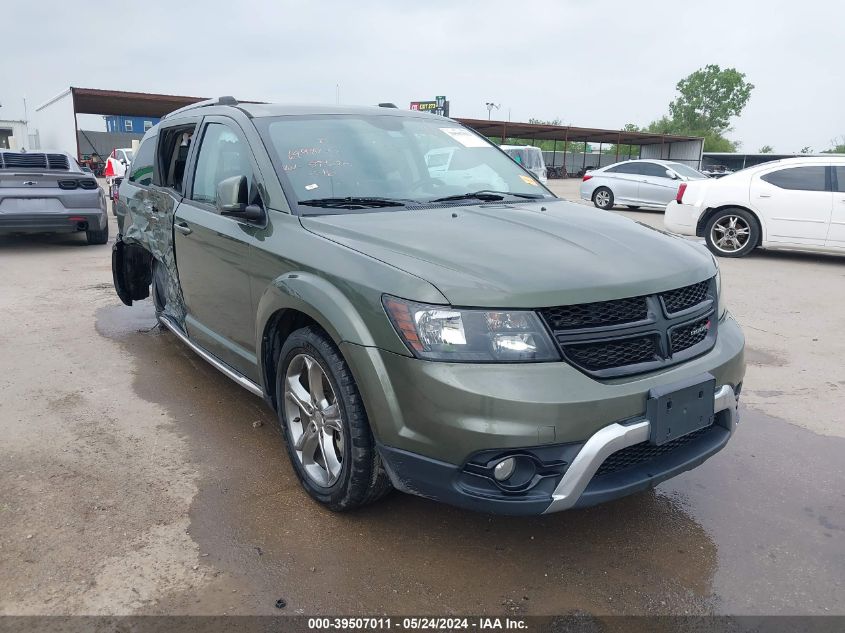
(232, 197)
(671, 174)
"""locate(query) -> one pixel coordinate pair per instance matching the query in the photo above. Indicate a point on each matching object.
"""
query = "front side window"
(811, 178)
(653, 169)
(142, 167)
(221, 156)
(387, 156)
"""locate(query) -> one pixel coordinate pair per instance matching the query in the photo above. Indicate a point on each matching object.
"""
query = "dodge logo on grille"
(700, 330)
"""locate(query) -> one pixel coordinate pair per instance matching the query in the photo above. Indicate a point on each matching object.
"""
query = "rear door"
(212, 249)
(836, 233)
(795, 202)
(656, 189)
(624, 182)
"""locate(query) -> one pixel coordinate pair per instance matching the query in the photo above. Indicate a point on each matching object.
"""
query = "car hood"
(522, 255)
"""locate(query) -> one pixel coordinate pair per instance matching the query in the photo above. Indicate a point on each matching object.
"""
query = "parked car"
(505, 351)
(796, 203)
(636, 183)
(716, 171)
(531, 158)
(48, 192)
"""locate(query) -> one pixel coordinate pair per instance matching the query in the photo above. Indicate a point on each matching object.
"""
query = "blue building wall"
(133, 124)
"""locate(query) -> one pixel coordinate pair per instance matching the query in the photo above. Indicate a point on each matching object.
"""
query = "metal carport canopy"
(541, 132)
(120, 103)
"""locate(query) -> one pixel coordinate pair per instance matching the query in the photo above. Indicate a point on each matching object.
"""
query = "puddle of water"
(758, 528)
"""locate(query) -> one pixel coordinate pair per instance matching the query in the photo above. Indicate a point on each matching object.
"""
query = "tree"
(766, 149)
(709, 98)
(837, 146)
(806, 150)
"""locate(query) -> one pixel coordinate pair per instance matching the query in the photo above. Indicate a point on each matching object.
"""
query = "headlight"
(445, 333)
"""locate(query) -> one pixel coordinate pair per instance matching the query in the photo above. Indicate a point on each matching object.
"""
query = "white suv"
(796, 203)
(636, 183)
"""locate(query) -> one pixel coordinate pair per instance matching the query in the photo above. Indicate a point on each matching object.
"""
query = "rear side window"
(629, 168)
(141, 169)
(173, 149)
(798, 178)
(840, 178)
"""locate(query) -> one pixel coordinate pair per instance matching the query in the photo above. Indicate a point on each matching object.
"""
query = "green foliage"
(806, 150)
(766, 149)
(837, 146)
(709, 98)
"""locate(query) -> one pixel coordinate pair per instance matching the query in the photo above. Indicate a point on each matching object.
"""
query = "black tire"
(720, 222)
(632, 206)
(98, 237)
(603, 198)
(362, 477)
(159, 287)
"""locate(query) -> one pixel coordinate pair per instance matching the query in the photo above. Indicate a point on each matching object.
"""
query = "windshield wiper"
(352, 202)
(489, 195)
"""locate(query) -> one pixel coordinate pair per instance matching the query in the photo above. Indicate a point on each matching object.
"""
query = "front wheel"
(328, 435)
(732, 233)
(603, 198)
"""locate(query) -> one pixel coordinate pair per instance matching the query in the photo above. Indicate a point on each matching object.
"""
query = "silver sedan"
(636, 183)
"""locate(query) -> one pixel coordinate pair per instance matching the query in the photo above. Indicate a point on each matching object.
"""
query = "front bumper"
(64, 222)
(431, 420)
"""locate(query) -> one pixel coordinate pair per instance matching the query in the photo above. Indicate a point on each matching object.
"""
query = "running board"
(222, 367)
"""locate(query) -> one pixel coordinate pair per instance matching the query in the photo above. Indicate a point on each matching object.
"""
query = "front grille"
(33, 160)
(607, 339)
(645, 452)
(684, 298)
(686, 336)
(603, 355)
(599, 313)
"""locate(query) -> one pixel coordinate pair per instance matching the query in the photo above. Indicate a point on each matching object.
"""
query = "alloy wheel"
(314, 420)
(730, 233)
(603, 199)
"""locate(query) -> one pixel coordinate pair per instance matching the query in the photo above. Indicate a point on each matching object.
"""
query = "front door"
(212, 251)
(836, 234)
(795, 203)
(656, 188)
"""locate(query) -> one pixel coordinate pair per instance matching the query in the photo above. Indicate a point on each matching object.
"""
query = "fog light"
(504, 469)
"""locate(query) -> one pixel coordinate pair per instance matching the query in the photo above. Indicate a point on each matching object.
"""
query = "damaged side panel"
(145, 219)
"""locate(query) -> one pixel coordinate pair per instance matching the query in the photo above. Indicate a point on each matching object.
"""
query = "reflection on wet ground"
(759, 528)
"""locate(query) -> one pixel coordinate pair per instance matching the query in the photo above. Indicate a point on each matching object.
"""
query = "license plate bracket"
(680, 408)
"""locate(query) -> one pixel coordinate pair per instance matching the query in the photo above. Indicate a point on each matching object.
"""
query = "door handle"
(765, 195)
(183, 228)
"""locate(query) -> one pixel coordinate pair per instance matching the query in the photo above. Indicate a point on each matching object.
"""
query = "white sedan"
(796, 203)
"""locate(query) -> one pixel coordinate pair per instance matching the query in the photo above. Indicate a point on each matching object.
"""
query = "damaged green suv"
(421, 313)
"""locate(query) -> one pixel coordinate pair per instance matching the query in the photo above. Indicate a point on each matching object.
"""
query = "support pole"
(600, 145)
(565, 143)
(554, 150)
(618, 140)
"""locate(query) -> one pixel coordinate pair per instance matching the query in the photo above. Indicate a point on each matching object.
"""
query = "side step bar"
(218, 364)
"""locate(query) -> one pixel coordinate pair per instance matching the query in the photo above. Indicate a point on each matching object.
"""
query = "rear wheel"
(732, 233)
(98, 237)
(603, 198)
(328, 435)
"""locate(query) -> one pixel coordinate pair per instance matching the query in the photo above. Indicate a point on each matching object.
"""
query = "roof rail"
(387, 105)
(226, 100)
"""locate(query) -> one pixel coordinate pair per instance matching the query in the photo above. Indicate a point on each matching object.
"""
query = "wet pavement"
(759, 528)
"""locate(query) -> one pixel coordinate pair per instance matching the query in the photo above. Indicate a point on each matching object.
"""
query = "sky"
(591, 63)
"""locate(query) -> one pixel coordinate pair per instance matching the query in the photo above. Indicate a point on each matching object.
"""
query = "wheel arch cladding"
(297, 300)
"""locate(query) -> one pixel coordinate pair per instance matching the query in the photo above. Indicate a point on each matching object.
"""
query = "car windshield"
(409, 159)
(687, 172)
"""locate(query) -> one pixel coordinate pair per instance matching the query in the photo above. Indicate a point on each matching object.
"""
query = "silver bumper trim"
(218, 364)
(615, 437)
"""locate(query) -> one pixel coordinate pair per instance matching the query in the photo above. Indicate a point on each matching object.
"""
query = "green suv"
(421, 313)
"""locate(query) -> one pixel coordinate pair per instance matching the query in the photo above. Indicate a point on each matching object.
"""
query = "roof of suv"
(258, 110)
